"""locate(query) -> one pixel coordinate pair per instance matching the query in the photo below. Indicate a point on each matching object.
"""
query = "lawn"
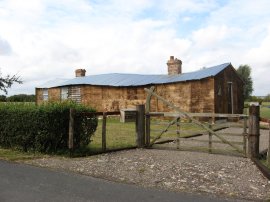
(123, 135)
(15, 155)
(265, 110)
(118, 135)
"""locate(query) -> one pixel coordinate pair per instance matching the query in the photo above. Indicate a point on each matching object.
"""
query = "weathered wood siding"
(39, 96)
(54, 95)
(176, 93)
(202, 96)
(112, 98)
(206, 95)
(222, 92)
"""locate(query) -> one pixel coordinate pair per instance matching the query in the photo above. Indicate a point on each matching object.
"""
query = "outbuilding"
(216, 89)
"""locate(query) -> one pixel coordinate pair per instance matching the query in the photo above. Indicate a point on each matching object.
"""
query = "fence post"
(210, 136)
(104, 123)
(178, 133)
(245, 136)
(71, 131)
(254, 131)
(147, 129)
(268, 153)
(140, 125)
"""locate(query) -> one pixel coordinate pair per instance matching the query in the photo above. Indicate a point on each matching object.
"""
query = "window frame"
(64, 92)
(45, 94)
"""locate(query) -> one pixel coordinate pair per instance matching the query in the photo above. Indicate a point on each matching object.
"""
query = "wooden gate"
(209, 132)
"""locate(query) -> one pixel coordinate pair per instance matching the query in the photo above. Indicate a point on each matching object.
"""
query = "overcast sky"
(42, 40)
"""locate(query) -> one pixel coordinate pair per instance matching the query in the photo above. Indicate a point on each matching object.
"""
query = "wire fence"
(118, 135)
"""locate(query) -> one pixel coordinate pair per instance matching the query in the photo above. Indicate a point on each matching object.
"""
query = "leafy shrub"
(44, 128)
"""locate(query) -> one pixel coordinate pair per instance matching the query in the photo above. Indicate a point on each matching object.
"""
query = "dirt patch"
(220, 175)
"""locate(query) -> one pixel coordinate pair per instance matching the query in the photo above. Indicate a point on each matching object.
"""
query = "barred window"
(64, 93)
(45, 94)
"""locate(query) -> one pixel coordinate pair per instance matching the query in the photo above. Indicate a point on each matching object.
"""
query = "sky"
(41, 40)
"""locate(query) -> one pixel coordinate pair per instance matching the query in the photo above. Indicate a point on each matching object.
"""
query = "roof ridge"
(129, 79)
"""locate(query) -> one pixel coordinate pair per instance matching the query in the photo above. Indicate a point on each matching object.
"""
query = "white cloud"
(49, 39)
(5, 48)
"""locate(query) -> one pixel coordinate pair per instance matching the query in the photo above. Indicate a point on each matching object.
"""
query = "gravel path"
(225, 176)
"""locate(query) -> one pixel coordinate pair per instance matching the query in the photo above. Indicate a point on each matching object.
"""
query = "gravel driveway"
(225, 176)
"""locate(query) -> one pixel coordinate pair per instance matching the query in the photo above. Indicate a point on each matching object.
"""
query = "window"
(75, 94)
(45, 94)
(64, 93)
(219, 90)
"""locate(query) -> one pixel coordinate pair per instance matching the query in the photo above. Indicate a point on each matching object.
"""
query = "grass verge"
(15, 155)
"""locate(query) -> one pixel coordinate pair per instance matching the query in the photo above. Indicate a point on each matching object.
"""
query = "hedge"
(44, 128)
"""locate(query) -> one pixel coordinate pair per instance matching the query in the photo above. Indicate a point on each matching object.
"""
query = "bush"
(44, 128)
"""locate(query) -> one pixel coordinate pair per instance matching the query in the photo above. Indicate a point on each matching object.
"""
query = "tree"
(7, 81)
(21, 98)
(244, 71)
(267, 98)
(3, 98)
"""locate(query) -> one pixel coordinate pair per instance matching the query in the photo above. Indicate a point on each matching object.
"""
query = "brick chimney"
(174, 66)
(80, 72)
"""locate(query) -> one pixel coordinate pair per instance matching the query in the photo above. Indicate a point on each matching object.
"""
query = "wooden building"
(215, 89)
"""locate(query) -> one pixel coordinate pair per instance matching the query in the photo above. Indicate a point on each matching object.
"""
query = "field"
(118, 135)
(123, 135)
(265, 110)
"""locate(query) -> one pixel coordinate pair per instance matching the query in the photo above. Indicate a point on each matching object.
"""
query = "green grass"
(15, 155)
(265, 110)
(123, 135)
(118, 135)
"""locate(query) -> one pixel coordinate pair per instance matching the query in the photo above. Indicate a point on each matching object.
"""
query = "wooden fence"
(265, 120)
(108, 125)
(249, 143)
(253, 134)
(181, 134)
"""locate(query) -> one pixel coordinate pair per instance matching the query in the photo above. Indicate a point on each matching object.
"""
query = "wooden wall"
(107, 98)
(54, 95)
(39, 96)
(206, 95)
(202, 96)
(222, 93)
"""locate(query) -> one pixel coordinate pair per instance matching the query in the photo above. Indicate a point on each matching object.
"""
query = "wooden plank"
(140, 125)
(210, 140)
(178, 133)
(147, 129)
(162, 132)
(193, 120)
(268, 153)
(245, 136)
(104, 131)
(173, 132)
(210, 115)
(207, 141)
(71, 130)
(254, 131)
(230, 134)
(156, 113)
(98, 113)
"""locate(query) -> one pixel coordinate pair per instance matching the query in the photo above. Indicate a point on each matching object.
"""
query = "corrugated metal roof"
(53, 83)
(118, 79)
